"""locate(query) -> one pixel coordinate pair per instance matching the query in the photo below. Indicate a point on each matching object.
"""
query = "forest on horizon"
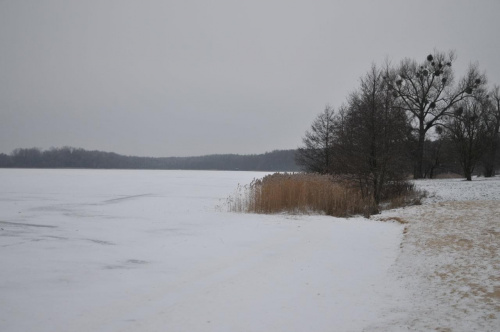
(69, 157)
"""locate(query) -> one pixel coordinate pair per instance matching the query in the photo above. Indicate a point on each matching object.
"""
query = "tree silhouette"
(468, 130)
(426, 91)
(493, 129)
(371, 134)
(316, 154)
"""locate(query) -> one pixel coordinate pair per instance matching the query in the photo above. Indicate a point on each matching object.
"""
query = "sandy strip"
(450, 263)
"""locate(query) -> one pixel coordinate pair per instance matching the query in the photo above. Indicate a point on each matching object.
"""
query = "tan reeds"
(315, 193)
(300, 193)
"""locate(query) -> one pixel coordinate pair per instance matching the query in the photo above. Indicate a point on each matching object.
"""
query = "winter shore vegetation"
(318, 193)
(413, 118)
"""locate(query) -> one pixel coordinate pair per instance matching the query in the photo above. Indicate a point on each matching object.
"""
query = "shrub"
(401, 193)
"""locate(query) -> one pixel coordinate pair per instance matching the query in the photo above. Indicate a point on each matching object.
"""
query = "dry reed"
(308, 193)
(299, 193)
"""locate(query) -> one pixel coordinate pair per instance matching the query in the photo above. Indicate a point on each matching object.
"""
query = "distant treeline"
(68, 157)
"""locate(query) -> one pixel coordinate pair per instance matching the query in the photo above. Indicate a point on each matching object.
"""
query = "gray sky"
(178, 78)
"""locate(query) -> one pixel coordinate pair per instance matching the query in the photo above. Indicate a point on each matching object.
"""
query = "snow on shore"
(444, 190)
(87, 250)
(97, 250)
(450, 258)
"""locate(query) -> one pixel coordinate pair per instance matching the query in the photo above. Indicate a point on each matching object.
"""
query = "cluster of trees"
(410, 118)
(67, 157)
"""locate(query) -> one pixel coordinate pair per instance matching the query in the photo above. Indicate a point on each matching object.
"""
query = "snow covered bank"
(96, 250)
(450, 259)
(444, 190)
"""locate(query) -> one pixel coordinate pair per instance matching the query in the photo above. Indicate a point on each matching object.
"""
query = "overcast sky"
(179, 78)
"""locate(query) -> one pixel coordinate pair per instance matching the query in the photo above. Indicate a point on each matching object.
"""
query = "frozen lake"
(120, 250)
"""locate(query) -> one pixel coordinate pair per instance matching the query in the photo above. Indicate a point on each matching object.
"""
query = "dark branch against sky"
(164, 78)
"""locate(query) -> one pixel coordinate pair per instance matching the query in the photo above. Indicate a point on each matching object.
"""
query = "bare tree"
(468, 131)
(427, 92)
(493, 129)
(432, 156)
(371, 136)
(316, 154)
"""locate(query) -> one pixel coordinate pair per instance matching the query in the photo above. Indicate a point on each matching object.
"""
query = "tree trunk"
(418, 170)
(376, 191)
(468, 175)
(468, 168)
(489, 164)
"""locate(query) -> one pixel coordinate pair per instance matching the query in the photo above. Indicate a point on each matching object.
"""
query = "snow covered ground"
(450, 256)
(115, 250)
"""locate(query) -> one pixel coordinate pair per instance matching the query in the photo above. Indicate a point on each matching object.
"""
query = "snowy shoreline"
(148, 251)
(450, 256)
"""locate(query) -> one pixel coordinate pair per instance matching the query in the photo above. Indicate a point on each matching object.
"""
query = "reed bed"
(303, 193)
(299, 193)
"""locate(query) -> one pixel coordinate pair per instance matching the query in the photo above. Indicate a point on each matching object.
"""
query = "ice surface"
(115, 250)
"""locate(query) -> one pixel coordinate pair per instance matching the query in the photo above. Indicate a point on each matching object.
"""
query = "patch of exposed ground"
(450, 263)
